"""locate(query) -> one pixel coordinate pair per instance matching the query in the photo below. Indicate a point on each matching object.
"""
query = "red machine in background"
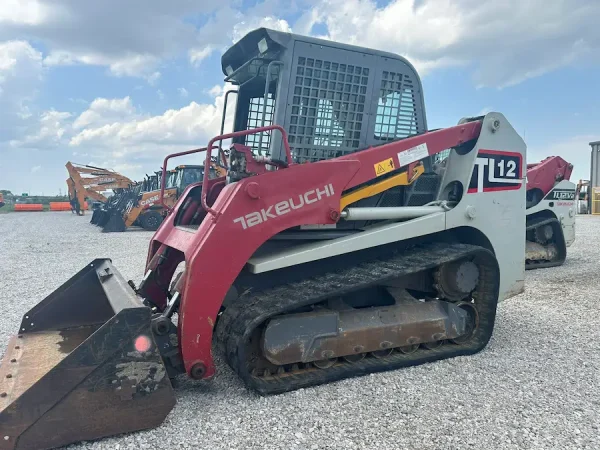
(543, 176)
(551, 210)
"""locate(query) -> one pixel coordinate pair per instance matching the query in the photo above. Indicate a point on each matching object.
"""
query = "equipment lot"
(534, 386)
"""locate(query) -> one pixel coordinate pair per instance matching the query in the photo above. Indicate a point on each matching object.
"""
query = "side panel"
(560, 201)
(373, 237)
(494, 199)
(497, 209)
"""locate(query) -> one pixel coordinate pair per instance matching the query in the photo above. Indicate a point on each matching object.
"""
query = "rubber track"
(239, 320)
(562, 248)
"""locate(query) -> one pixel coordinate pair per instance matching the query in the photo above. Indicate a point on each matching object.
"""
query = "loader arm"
(543, 176)
(148, 200)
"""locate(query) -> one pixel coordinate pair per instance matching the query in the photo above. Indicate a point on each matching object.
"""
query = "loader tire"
(151, 220)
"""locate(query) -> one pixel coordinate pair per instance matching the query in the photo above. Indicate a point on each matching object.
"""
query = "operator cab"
(332, 99)
(189, 174)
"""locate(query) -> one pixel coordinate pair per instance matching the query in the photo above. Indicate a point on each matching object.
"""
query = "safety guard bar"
(164, 173)
(222, 137)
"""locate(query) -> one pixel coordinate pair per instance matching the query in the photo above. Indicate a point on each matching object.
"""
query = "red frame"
(546, 173)
(214, 259)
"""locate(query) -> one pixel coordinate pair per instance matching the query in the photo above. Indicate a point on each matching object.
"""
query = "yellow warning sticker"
(384, 166)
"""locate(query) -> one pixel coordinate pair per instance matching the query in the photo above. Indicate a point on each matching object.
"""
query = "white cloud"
(243, 27)
(506, 42)
(23, 12)
(215, 91)
(153, 79)
(160, 94)
(20, 76)
(104, 111)
(183, 92)
(199, 54)
(228, 24)
(35, 169)
(575, 150)
(142, 133)
(49, 131)
(130, 38)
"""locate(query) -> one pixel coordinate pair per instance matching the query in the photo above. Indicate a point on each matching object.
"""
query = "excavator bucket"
(96, 216)
(113, 223)
(84, 365)
(101, 217)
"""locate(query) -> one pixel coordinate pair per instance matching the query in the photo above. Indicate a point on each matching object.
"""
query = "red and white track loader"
(551, 212)
(331, 249)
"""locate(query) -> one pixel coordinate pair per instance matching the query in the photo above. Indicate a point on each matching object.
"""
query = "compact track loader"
(346, 252)
(551, 212)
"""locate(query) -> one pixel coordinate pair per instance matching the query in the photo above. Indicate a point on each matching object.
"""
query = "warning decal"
(413, 154)
(385, 166)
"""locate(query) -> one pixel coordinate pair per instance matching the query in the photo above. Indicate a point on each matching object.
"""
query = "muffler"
(84, 365)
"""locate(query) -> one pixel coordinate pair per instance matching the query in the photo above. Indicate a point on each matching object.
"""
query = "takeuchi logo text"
(284, 207)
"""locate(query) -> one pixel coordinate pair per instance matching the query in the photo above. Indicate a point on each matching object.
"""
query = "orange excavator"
(89, 182)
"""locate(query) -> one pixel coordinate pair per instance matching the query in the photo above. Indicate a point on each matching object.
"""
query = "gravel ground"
(534, 386)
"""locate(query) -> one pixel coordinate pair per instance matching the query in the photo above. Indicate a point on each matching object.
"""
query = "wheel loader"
(107, 217)
(144, 208)
(101, 214)
(346, 252)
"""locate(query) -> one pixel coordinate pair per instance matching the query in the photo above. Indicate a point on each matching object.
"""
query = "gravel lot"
(534, 386)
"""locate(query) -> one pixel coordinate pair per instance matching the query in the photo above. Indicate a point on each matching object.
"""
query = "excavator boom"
(80, 186)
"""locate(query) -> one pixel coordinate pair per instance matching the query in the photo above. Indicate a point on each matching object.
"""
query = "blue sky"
(81, 82)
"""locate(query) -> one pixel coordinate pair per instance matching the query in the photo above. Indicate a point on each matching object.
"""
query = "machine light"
(263, 46)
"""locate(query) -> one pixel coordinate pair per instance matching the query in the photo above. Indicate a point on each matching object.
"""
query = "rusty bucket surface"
(84, 366)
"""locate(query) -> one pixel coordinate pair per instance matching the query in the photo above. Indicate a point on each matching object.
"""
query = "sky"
(122, 84)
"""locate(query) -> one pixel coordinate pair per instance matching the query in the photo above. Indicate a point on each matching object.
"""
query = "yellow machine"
(144, 209)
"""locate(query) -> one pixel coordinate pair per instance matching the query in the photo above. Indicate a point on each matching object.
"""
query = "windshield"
(171, 179)
(188, 176)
